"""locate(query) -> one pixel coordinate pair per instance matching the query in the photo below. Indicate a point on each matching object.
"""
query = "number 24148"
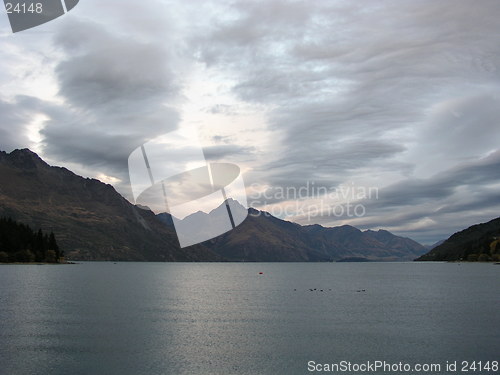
(24, 8)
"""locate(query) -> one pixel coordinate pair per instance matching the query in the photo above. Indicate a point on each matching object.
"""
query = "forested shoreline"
(21, 244)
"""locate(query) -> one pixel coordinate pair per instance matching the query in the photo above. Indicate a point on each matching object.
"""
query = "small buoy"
(261, 273)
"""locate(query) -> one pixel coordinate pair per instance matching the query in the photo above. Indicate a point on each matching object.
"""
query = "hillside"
(92, 221)
(478, 242)
(263, 237)
(349, 242)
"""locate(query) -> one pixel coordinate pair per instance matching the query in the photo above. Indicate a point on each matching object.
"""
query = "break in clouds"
(403, 97)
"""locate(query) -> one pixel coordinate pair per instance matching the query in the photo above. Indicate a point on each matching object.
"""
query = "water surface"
(227, 318)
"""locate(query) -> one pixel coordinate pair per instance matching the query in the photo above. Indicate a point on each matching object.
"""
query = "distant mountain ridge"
(93, 222)
(435, 244)
(478, 242)
(263, 237)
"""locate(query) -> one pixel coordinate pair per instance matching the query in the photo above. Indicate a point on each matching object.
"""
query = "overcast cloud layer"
(401, 97)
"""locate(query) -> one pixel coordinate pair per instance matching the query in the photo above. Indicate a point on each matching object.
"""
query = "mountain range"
(263, 237)
(92, 221)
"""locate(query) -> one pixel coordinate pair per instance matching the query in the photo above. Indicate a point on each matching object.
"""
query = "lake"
(228, 318)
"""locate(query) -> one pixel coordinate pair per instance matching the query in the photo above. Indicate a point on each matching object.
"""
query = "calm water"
(206, 318)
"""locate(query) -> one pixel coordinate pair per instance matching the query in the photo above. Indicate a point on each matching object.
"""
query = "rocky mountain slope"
(90, 219)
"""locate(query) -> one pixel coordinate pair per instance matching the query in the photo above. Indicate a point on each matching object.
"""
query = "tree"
(51, 256)
(53, 245)
(18, 243)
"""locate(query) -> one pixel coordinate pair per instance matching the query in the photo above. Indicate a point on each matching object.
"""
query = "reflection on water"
(226, 318)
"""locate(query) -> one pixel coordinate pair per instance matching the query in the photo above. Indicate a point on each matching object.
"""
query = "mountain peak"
(22, 158)
(24, 153)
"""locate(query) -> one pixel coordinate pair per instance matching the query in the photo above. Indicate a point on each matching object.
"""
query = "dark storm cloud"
(104, 70)
(116, 91)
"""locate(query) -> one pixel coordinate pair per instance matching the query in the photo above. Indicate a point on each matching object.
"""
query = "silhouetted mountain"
(91, 219)
(478, 242)
(263, 237)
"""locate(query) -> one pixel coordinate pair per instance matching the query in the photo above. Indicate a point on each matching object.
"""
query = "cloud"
(463, 127)
(116, 92)
(441, 201)
(13, 128)
(375, 92)
(401, 96)
(106, 71)
(221, 152)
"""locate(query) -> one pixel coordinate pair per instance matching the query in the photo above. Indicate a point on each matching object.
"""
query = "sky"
(380, 115)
